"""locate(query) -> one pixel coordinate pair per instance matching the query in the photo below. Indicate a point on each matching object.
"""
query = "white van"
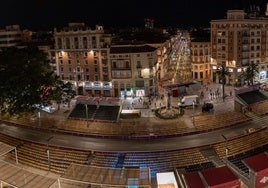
(189, 100)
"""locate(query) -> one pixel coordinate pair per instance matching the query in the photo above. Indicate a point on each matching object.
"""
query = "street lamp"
(226, 148)
(193, 112)
(48, 154)
(86, 115)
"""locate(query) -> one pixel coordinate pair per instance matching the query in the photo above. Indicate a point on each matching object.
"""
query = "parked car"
(207, 107)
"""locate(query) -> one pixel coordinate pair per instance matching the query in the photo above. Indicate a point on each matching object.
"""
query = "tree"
(222, 72)
(250, 73)
(26, 79)
(62, 93)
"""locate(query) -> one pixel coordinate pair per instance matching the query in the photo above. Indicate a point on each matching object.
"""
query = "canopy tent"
(193, 180)
(166, 180)
(258, 167)
(221, 177)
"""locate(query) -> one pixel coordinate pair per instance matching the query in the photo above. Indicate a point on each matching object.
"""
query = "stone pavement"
(157, 102)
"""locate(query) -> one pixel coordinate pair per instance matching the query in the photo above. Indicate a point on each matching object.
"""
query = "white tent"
(166, 180)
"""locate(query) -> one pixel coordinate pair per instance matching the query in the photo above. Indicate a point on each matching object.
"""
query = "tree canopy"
(249, 74)
(222, 73)
(26, 79)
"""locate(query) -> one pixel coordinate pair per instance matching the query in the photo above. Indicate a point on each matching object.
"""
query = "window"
(69, 62)
(127, 64)
(139, 83)
(201, 75)
(114, 64)
(78, 77)
(138, 64)
(195, 75)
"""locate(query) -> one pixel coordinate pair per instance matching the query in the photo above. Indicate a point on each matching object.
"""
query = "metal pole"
(39, 118)
(48, 159)
(193, 113)
(226, 148)
(16, 154)
(59, 182)
(48, 154)
(86, 115)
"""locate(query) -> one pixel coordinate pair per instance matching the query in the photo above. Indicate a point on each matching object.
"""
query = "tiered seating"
(242, 144)
(199, 167)
(95, 112)
(104, 159)
(122, 128)
(260, 108)
(107, 113)
(252, 97)
(79, 111)
(36, 155)
(214, 121)
(10, 140)
(156, 161)
(237, 161)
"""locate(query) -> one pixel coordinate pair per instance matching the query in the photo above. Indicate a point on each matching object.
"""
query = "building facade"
(82, 58)
(10, 36)
(238, 41)
(201, 56)
(133, 70)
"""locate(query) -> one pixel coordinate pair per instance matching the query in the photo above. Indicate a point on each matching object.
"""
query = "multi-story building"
(237, 41)
(10, 36)
(82, 57)
(200, 55)
(132, 70)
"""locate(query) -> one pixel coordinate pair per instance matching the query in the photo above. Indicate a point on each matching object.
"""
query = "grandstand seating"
(252, 97)
(191, 159)
(260, 108)
(156, 161)
(35, 155)
(225, 119)
(95, 112)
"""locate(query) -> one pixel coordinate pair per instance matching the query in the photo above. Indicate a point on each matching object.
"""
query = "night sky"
(47, 14)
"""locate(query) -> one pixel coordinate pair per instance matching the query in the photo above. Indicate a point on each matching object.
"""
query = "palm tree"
(250, 73)
(222, 72)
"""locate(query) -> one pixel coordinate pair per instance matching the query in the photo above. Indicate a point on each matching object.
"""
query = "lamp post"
(39, 118)
(86, 115)
(48, 154)
(226, 148)
(193, 112)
